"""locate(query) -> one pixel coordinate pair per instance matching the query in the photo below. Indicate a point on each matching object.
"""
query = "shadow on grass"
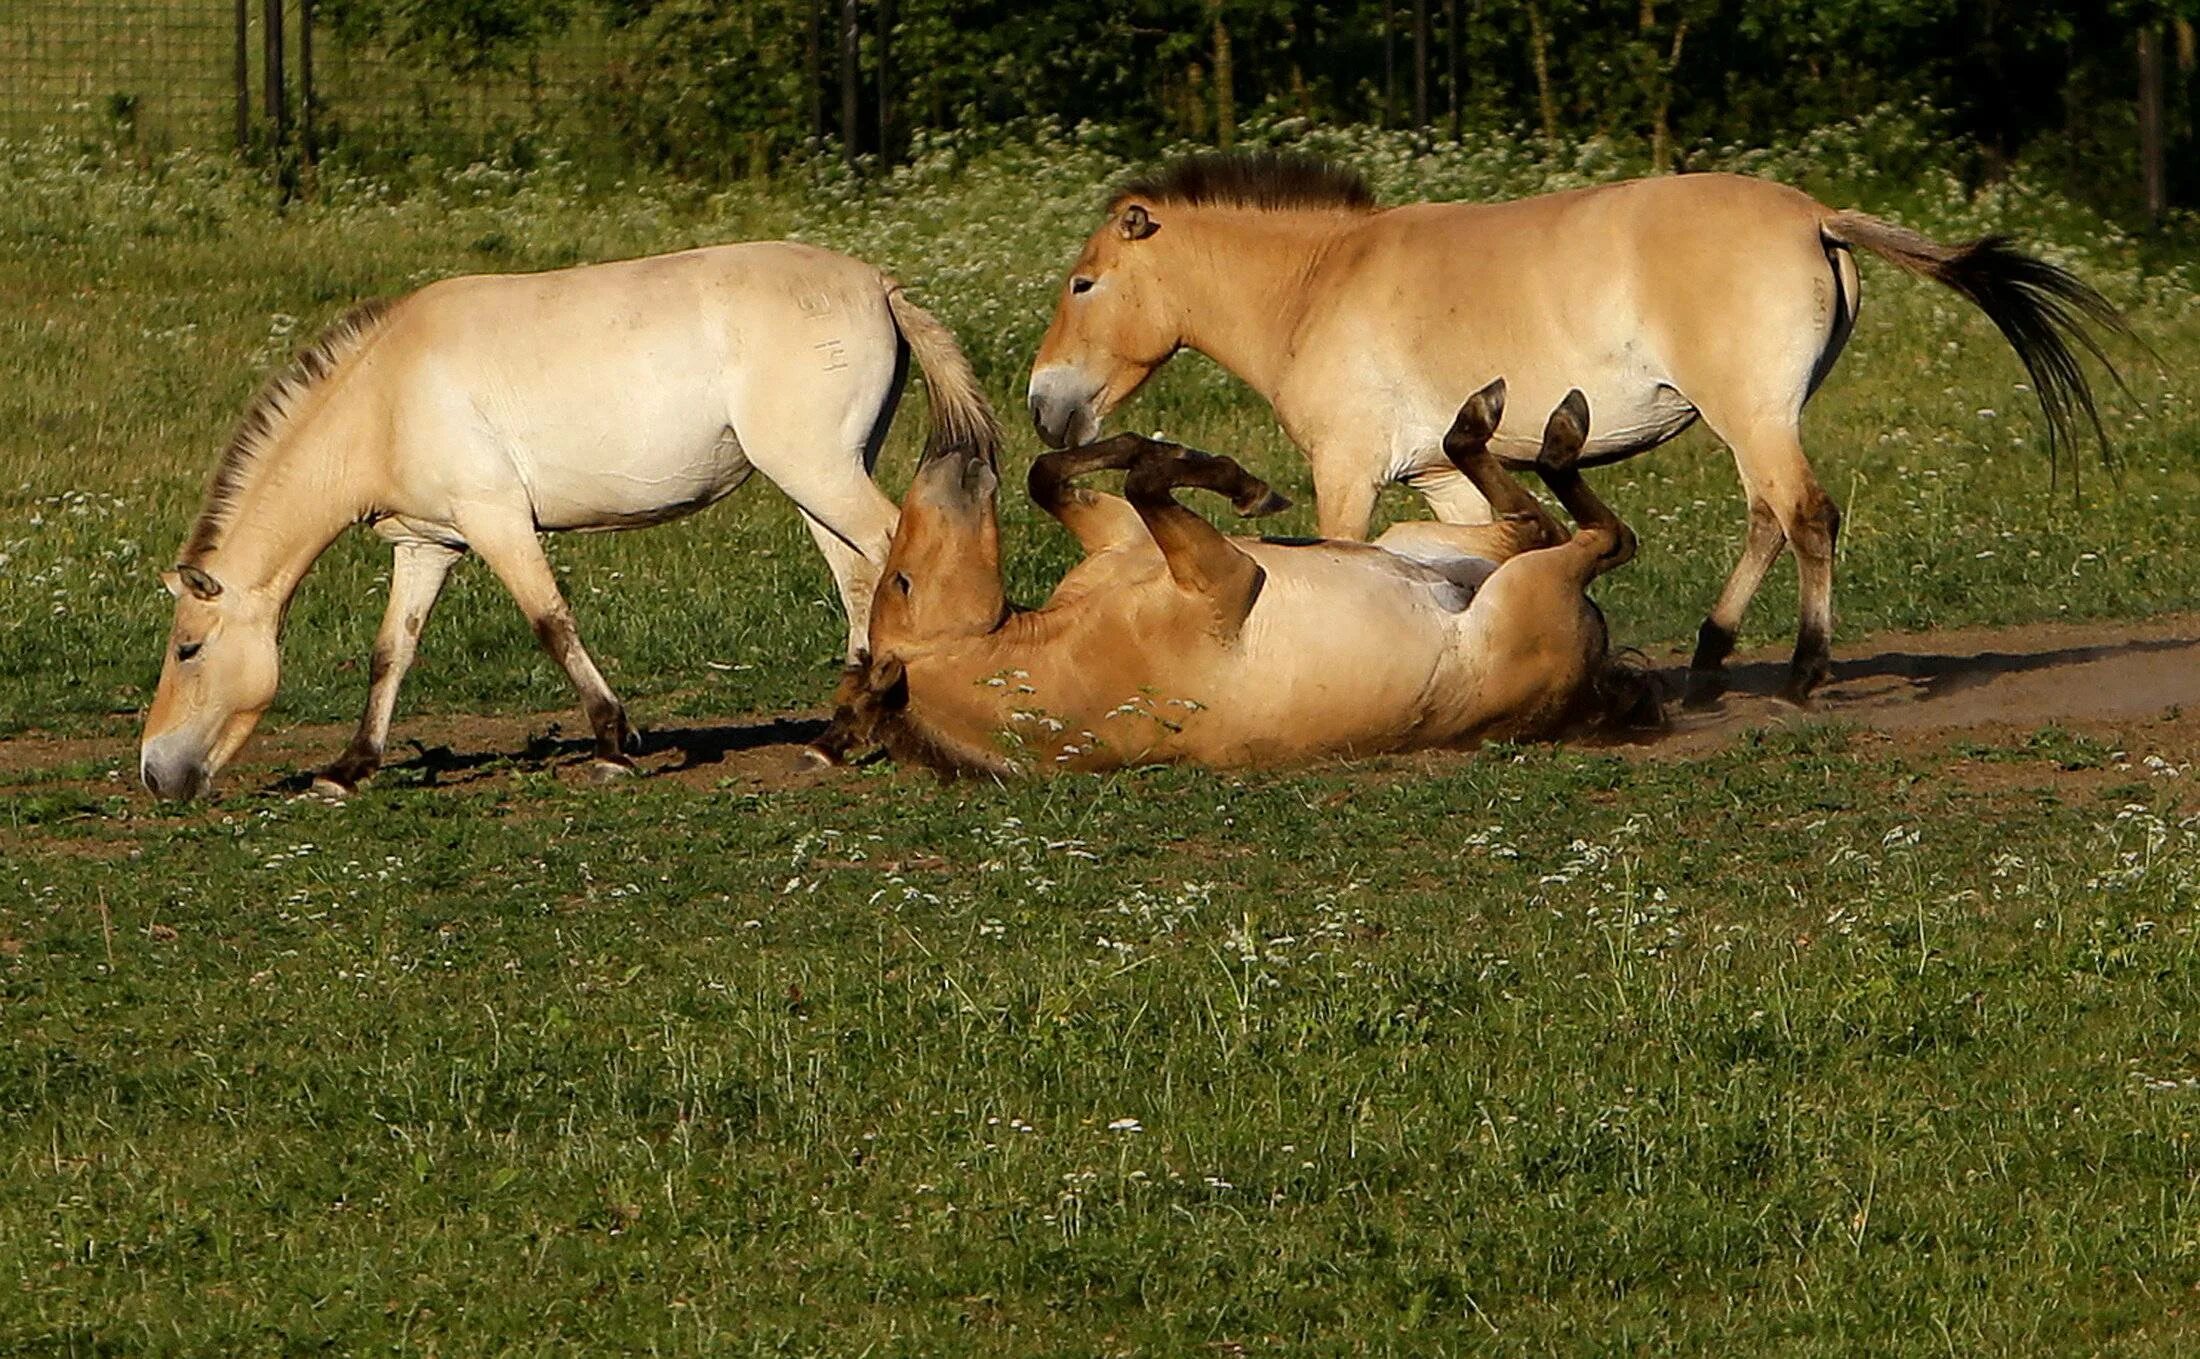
(695, 747)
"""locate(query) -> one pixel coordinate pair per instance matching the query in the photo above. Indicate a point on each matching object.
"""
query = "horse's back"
(636, 390)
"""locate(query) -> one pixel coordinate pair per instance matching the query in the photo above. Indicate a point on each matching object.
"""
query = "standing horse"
(1170, 642)
(479, 411)
(1665, 299)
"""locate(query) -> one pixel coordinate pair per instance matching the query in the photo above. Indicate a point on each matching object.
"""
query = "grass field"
(1821, 1043)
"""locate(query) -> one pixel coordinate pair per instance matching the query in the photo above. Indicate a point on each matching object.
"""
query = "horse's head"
(941, 581)
(942, 577)
(1113, 326)
(219, 676)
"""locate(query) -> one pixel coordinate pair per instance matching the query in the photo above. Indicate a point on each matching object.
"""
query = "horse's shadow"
(697, 748)
(1929, 676)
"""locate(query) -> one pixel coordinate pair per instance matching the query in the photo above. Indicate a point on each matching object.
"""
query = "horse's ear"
(1137, 223)
(174, 581)
(197, 581)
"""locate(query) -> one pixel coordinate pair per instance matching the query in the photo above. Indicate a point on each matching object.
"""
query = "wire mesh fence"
(163, 74)
(161, 71)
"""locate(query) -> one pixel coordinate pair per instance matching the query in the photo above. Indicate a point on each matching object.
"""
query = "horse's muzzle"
(1060, 410)
(176, 780)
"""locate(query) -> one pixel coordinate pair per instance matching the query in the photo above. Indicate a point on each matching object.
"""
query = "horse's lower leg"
(515, 554)
(1814, 529)
(855, 573)
(1344, 499)
(417, 574)
(1715, 639)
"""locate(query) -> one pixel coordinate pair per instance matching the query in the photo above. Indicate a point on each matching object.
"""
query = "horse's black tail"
(2040, 309)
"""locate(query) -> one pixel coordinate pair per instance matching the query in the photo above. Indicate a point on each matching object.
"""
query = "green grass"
(1802, 1048)
(1810, 1046)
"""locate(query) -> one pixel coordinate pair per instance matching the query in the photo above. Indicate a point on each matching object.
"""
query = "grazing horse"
(1668, 299)
(1170, 642)
(477, 412)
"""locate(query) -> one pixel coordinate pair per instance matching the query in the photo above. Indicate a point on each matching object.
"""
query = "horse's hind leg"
(417, 572)
(508, 544)
(1715, 639)
(1467, 446)
(1769, 453)
(1600, 529)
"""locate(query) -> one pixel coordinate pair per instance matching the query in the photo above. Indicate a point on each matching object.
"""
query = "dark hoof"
(1267, 502)
(1802, 683)
(604, 769)
(342, 779)
(327, 784)
(633, 743)
(814, 756)
(1705, 689)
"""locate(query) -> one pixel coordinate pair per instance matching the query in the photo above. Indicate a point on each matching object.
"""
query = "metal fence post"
(244, 78)
(307, 150)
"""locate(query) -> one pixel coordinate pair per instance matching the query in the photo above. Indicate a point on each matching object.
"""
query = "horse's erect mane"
(270, 413)
(1272, 180)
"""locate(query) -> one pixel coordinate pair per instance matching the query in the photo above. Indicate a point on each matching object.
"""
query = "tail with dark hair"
(962, 419)
(2040, 309)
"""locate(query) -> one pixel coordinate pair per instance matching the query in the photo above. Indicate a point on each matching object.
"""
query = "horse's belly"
(1626, 416)
(636, 488)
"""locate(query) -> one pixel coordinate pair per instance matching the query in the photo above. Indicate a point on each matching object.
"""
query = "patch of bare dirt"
(2132, 685)
(1919, 688)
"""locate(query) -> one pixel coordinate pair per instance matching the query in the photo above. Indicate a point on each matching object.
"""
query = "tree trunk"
(1390, 68)
(885, 82)
(1539, 41)
(851, 124)
(1195, 102)
(2153, 168)
(813, 69)
(1661, 131)
(1451, 64)
(1225, 85)
(1420, 65)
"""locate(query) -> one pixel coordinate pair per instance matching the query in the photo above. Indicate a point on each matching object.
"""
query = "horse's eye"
(1080, 285)
(188, 650)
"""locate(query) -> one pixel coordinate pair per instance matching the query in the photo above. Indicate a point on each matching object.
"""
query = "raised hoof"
(1267, 503)
(604, 770)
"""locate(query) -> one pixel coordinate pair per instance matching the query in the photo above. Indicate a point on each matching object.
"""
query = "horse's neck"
(1243, 282)
(306, 491)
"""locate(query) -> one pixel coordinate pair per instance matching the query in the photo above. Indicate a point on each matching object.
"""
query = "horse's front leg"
(512, 550)
(417, 574)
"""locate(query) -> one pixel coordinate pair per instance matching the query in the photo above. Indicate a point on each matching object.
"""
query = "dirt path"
(2079, 675)
(1918, 689)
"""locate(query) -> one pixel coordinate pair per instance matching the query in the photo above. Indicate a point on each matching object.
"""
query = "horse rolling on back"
(1668, 299)
(1171, 642)
(478, 411)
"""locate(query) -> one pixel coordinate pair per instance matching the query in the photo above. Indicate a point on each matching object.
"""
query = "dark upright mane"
(270, 413)
(1274, 180)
